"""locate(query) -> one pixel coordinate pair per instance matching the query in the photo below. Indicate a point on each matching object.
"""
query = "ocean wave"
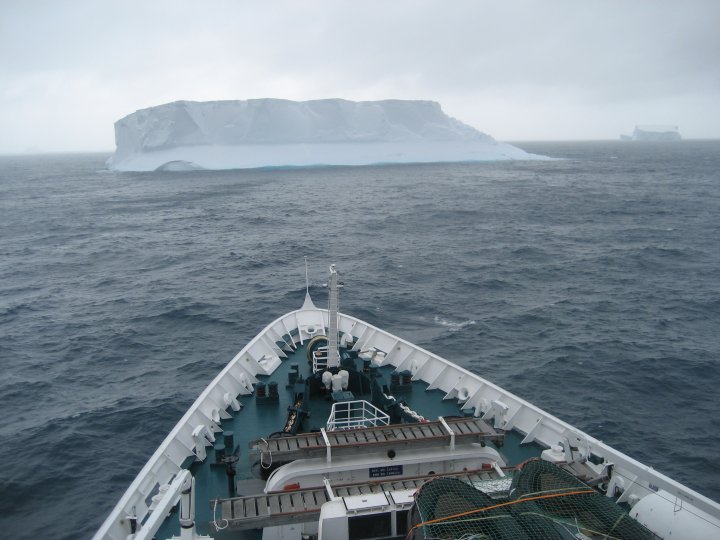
(587, 286)
(453, 326)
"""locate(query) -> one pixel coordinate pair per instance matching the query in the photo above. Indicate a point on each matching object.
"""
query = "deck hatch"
(365, 502)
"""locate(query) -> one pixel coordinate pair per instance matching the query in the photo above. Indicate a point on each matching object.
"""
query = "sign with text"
(392, 470)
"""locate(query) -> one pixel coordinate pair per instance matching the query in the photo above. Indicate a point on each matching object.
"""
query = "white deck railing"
(320, 359)
(355, 414)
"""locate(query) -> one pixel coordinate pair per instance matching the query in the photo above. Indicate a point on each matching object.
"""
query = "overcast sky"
(516, 69)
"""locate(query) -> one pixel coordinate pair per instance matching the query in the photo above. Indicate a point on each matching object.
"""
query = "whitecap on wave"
(453, 326)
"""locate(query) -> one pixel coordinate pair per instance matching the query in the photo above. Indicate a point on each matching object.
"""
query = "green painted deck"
(256, 420)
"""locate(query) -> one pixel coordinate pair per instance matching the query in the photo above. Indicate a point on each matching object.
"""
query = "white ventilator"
(327, 378)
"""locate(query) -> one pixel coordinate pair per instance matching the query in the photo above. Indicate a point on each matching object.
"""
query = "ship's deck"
(257, 419)
(280, 508)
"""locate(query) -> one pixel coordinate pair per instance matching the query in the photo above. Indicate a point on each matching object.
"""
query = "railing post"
(450, 432)
(328, 455)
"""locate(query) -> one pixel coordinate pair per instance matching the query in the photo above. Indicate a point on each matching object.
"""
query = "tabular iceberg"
(276, 133)
(653, 133)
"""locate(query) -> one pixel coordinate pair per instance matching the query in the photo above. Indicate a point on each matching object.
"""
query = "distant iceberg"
(653, 133)
(187, 135)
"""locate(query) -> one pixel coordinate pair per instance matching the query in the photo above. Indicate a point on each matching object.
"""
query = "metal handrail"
(355, 414)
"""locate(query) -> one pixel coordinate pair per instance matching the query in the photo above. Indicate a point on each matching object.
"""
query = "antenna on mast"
(333, 356)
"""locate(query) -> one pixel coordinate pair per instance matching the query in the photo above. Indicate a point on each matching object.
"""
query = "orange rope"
(551, 496)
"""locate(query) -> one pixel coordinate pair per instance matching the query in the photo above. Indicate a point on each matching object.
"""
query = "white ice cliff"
(653, 133)
(276, 133)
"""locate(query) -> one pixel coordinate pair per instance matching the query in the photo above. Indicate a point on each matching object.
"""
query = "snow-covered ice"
(653, 133)
(187, 135)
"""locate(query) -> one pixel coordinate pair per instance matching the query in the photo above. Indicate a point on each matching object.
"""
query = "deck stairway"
(443, 432)
(303, 505)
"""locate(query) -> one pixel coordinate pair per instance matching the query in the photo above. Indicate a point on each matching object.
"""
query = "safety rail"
(355, 414)
(320, 359)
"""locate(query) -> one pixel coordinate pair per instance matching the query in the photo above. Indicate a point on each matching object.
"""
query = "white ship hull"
(665, 506)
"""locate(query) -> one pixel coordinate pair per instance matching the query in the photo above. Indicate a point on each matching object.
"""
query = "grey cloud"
(505, 67)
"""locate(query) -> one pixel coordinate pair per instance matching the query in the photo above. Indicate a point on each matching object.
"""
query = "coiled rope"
(215, 523)
(267, 447)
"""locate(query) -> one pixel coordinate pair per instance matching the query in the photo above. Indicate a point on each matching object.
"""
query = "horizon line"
(41, 152)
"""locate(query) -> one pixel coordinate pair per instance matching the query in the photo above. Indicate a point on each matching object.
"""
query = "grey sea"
(588, 285)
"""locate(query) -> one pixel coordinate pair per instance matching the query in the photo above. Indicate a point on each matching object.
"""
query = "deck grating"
(424, 435)
(277, 508)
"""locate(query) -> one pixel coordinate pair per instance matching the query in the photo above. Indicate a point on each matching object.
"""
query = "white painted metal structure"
(333, 356)
(162, 478)
(355, 414)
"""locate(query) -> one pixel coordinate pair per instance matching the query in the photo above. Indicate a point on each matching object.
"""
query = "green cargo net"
(545, 502)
